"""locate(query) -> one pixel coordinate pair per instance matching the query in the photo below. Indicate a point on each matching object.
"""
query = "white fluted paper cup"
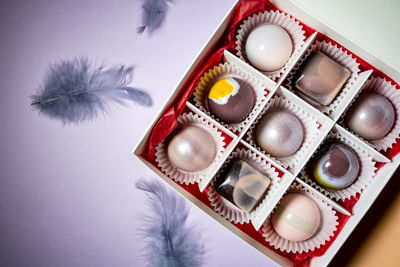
(223, 71)
(387, 89)
(328, 223)
(228, 210)
(288, 23)
(364, 179)
(340, 56)
(310, 127)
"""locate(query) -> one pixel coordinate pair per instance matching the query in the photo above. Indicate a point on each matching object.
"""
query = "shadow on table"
(370, 220)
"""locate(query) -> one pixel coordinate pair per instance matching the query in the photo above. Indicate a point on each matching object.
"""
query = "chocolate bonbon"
(231, 99)
(371, 117)
(268, 47)
(280, 133)
(336, 166)
(192, 149)
(320, 79)
(243, 185)
(296, 217)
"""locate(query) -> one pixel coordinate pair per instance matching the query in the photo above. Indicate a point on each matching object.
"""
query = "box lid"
(369, 24)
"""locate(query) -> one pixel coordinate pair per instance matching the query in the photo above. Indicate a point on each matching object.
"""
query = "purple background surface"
(67, 195)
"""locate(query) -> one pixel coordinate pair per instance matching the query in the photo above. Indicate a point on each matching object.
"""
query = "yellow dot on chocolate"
(222, 88)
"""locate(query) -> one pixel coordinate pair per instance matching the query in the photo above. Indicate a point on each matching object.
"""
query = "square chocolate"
(243, 185)
(320, 78)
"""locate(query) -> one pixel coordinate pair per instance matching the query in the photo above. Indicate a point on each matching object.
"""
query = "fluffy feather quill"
(153, 14)
(76, 91)
(171, 241)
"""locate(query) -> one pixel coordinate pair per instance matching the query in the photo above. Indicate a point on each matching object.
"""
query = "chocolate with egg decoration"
(243, 185)
(296, 218)
(280, 133)
(192, 149)
(372, 116)
(231, 99)
(336, 166)
(320, 79)
(268, 47)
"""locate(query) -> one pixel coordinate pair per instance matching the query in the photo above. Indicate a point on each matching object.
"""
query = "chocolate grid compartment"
(365, 176)
(329, 221)
(281, 19)
(183, 177)
(385, 88)
(315, 127)
(327, 123)
(351, 87)
(225, 208)
(223, 71)
(290, 177)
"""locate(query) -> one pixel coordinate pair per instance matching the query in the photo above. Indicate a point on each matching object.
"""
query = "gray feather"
(153, 14)
(171, 242)
(76, 91)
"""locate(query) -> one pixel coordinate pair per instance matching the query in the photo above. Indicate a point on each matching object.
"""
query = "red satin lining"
(167, 122)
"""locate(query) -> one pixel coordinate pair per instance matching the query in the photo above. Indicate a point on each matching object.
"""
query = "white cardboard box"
(367, 197)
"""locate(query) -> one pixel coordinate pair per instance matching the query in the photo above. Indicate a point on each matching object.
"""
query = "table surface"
(67, 195)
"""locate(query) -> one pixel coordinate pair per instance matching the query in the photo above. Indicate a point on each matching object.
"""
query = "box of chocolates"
(279, 132)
